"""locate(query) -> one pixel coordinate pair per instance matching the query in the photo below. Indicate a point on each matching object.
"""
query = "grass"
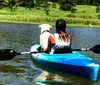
(82, 17)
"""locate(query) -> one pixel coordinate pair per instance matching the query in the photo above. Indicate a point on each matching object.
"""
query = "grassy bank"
(82, 17)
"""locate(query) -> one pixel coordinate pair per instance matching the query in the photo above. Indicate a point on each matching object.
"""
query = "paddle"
(7, 54)
(95, 49)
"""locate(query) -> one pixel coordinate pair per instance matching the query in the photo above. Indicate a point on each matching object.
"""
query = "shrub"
(97, 9)
(73, 10)
(65, 7)
(71, 16)
(98, 16)
(66, 4)
(54, 5)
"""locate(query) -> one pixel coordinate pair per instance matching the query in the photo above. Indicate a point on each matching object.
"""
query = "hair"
(60, 25)
(61, 30)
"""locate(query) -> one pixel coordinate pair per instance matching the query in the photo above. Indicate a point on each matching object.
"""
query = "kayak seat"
(62, 49)
(58, 49)
(39, 48)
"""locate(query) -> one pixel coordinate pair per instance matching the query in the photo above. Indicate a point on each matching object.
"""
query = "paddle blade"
(7, 54)
(96, 49)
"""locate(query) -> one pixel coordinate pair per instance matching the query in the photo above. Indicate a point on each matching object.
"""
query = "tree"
(1, 1)
(66, 4)
(87, 2)
(26, 3)
(97, 9)
(73, 10)
(54, 5)
(11, 4)
(38, 3)
(44, 4)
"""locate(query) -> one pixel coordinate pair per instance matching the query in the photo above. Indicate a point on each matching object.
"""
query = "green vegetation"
(83, 16)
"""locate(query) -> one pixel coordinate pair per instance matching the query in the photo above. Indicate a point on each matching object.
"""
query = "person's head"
(60, 25)
(61, 30)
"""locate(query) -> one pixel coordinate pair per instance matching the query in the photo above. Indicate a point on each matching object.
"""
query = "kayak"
(69, 62)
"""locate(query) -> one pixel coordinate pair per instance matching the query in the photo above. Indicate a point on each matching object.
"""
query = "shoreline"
(38, 16)
(51, 23)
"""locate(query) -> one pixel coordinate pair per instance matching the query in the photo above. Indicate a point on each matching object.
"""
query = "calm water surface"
(22, 70)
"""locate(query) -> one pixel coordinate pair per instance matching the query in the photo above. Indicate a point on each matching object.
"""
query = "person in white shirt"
(62, 38)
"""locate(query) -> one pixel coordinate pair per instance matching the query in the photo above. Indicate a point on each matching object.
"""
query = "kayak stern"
(70, 62)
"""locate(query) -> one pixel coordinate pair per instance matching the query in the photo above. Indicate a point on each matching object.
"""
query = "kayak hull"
(71, 62)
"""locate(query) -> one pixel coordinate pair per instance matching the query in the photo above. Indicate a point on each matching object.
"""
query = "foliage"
(43, 4)
(83, 15)
(73, 9)
(99, 16)
(66, 4)
(31, 2)
(54, 5)
(97, 9)
(11, 4)
(26, 3)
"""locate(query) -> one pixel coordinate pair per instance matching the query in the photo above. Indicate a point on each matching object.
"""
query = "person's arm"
(70, 38)
(51, 42)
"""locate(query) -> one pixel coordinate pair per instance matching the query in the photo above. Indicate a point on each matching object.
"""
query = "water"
(22, 70)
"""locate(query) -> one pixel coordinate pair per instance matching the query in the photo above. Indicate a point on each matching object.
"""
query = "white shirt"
(60, 42)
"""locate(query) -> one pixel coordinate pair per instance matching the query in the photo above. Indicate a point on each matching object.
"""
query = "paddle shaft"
(7, 54)
(21, 53)
(24, 53)
(82, 49)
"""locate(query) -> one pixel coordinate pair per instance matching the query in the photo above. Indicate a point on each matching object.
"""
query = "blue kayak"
(70, 62)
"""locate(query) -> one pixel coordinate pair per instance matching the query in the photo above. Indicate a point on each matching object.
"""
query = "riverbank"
(82, 17)
(19, 19)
